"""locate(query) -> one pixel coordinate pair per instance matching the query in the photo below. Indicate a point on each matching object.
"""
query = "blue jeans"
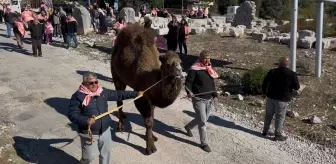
(71, 36)
(9, 29)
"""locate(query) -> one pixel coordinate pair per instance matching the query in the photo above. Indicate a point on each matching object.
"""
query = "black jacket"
(71, 27)
(200, 82)
(279, 84)
(80, 114)
(36, 30)
(9, 17)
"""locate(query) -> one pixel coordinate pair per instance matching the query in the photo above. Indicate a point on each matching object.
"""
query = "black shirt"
(71, 27)
(36, 30)
(200, 81)
(279, 84)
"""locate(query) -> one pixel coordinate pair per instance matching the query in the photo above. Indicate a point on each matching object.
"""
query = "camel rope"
(117, 108)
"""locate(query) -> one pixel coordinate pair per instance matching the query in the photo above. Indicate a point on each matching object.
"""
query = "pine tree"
(271, 9)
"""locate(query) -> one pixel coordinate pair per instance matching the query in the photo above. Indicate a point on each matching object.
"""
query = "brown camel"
(136, 62)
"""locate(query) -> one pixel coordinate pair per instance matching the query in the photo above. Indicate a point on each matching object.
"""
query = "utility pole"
(293, 35)
(319, 35)
(182, 9)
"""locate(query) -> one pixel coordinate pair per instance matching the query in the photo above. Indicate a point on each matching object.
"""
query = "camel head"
(171, 65)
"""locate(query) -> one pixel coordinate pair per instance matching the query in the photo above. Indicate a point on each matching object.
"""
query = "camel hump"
(136, 36)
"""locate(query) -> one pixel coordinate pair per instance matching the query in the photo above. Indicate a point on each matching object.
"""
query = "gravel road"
(35, 93)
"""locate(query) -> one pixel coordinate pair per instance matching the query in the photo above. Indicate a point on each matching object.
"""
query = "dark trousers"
(19, 38)
(172, 44)
(70, 37)
(36, 45)
(63, 29)
(57, 30)
(1, 16)
(184, 44)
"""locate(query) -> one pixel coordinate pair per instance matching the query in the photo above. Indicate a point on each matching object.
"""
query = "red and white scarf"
(199, 66)
(89, 94)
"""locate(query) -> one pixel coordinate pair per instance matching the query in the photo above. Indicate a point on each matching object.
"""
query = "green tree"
(155, 3)
(271, 9)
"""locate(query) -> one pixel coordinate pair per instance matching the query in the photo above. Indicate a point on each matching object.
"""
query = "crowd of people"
(45, 25)
(98, 17)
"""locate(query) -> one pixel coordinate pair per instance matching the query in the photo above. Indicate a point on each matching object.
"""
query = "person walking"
(278, 85)
(200, 87)
(183, 36)
(71, 30)
(88, 101)
(19, 30)
(36, 31)
(9, 20)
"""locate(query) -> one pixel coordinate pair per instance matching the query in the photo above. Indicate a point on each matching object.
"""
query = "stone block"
(82, 16)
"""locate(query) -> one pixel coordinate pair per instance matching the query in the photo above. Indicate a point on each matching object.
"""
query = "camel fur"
(135, 62)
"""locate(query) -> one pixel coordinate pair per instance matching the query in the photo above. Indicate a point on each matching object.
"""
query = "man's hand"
(91, 120)
(140, 93)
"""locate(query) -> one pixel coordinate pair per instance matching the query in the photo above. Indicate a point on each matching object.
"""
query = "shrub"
(231, 78)
(253, 79)
(303, 66)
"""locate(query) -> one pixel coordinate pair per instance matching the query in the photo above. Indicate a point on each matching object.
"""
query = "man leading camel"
(91, 100)
(200, 80)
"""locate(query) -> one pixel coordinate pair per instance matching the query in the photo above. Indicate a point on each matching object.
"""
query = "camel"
(135, 62)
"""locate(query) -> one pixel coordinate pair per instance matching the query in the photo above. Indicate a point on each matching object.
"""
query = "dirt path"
(35, 93)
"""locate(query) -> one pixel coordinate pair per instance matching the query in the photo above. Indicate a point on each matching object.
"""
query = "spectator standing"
(36, 31)
(200, 80)
(56, 24)
(172, 35)
(63, 21)
(48, 31)
(43, 18)
(278, 85)
(96, 18)
(71, 30)
(183, 36)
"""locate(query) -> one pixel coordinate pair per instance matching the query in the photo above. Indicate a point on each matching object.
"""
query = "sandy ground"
(36, 91)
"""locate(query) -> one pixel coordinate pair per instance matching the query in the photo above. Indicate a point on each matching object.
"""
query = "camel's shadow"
(42, 151)
(99, 76)
(158, 127)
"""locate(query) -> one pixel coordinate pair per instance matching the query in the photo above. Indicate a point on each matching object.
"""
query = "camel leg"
(147, 111)
(119, 85)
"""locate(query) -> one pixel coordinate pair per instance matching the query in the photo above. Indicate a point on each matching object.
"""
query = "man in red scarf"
(88, 101)
(200, 86)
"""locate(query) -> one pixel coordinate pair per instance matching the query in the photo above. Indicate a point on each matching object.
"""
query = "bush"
(253, 79)
(231, 78)
(303, 66)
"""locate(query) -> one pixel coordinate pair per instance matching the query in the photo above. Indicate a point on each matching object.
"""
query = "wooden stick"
(112, 110)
